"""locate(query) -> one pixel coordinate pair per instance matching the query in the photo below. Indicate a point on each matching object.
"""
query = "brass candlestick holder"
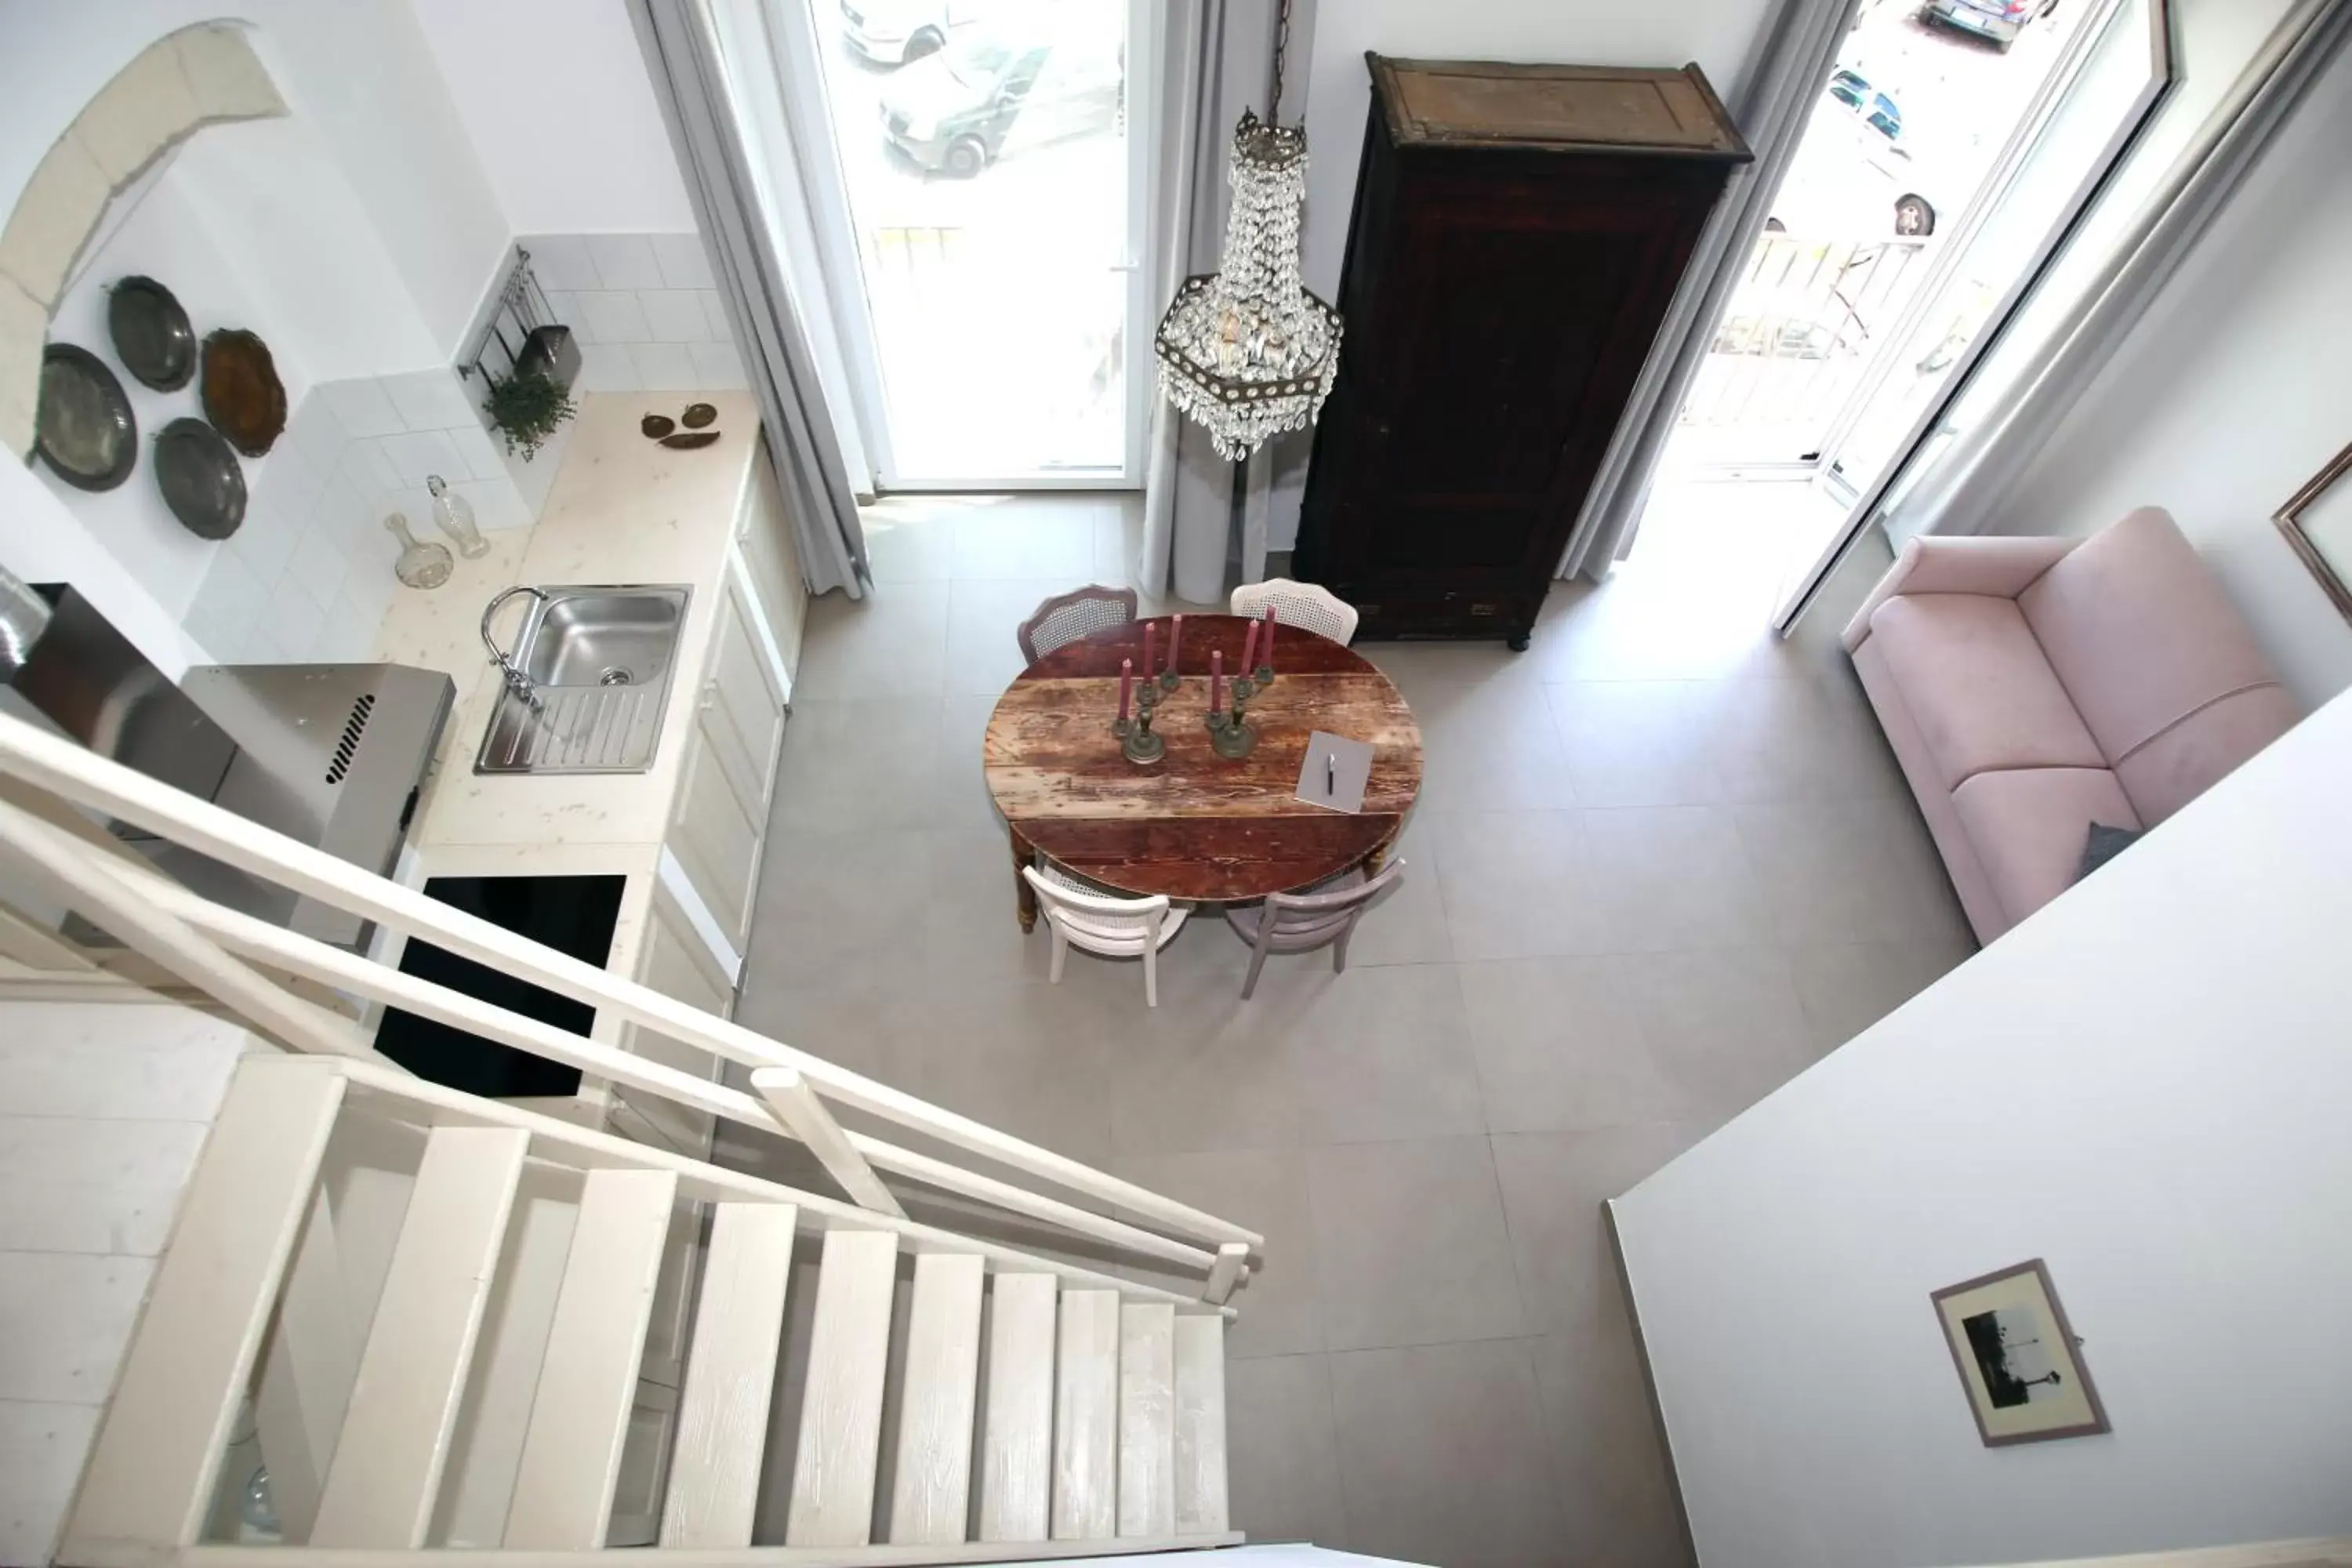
(1137, 743)
(1230, 734)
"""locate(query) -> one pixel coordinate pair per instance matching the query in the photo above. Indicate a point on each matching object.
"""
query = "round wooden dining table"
(1194, 824)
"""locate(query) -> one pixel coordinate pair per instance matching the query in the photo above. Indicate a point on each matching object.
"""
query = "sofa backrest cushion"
(2157, 659)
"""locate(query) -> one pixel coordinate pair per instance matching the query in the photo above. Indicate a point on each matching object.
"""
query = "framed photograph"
(2018, 1358)
(2317, 522)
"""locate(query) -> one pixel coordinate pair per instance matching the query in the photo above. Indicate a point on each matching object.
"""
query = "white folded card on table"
(1335, 771)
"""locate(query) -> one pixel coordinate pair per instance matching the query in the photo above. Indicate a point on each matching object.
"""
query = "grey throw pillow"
(2103, 845)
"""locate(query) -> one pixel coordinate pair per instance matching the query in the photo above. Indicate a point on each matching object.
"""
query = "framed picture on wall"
(2018, 1358)
(2317, 522)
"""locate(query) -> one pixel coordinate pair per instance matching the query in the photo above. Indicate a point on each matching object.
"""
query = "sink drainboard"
(583, 728)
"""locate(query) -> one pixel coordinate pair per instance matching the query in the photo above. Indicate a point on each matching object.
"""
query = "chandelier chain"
(1281, 48)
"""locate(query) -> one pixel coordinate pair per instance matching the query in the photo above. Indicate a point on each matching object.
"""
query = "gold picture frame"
(2018, 1358)
(2317, 522)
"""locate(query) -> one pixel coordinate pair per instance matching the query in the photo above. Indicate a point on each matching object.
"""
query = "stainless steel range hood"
(330, 754)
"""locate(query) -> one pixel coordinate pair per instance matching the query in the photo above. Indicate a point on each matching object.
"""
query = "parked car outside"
(982, 96)
(1854, 177)
(2000, 20)
(894, 32)
(1851, 88)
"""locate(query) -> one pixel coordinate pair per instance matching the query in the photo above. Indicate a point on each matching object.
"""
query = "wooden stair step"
(588, 1382)
(841, 1409)
(930, 1499)
(731, 1376)
(1086, 1417)
(159, 1449)
(1201, 1507)
(1147, 1419)
(385, 1476)
(1016, 1472)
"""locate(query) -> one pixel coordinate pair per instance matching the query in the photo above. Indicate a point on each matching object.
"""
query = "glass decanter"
(422, 563)
(454, 515)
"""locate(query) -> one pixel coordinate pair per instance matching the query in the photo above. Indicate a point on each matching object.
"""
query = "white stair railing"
(240, 962)
(155, 1472)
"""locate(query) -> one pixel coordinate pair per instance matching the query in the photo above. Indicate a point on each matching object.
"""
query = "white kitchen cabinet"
(772, 559)
(674, 961)
(719, 822)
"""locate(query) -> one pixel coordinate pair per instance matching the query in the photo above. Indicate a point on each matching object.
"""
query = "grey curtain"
(1965, 489)
(1219, 60)
(681, 49)
(1772, 107)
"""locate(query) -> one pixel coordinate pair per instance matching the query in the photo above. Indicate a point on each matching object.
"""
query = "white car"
(1851, 179)
(893, 32)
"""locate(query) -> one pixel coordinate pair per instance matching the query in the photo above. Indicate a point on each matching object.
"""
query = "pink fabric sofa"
(2031, 687)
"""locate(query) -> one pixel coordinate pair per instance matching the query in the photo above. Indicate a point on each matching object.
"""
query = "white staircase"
(1093, 1425)
(460, 1330)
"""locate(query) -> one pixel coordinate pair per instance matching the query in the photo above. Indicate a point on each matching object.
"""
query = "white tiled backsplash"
(643, 308)
(308, 575)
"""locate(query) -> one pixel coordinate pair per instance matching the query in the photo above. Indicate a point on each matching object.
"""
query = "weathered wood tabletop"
(1194, 824)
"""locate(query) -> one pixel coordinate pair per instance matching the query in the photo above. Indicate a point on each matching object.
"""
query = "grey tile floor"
(1661, 862)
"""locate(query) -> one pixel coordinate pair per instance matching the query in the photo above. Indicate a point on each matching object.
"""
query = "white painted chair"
(1319, 610)
(1325, 916)
(1084, 915)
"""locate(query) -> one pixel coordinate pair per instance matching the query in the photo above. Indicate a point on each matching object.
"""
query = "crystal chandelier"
(1247, 350)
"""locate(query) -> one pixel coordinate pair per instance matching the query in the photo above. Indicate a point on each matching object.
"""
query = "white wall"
(361, 231)
(2231, 392)
(357, 70)
(1720, 34)
(165, 237)
(555, 97)
(2146, 1084)
(276, 202)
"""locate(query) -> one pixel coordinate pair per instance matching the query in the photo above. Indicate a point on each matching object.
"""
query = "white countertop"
(624, 509)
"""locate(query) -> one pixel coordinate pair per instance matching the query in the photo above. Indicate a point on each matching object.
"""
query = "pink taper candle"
(1175, 642)
(1265, 647)
(1148, 627)
(1217, 680)
(1249, 648)
(1126, 685)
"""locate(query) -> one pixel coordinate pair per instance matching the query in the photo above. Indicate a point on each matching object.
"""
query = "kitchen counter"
(624, 509)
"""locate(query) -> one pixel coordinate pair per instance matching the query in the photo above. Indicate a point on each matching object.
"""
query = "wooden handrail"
(186, 931)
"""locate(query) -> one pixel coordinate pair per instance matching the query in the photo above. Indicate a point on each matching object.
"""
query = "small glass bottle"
(422, 563)
(454, 515)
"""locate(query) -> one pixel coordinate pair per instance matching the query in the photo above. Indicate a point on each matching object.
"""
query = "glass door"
(992, 208)
(2099, 95)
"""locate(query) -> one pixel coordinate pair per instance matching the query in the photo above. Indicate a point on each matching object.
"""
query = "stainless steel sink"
(598, 662)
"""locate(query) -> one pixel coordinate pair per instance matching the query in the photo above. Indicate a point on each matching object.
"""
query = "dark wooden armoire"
(1517, 234)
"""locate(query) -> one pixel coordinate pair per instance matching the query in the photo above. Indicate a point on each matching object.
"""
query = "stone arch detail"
(202, 75)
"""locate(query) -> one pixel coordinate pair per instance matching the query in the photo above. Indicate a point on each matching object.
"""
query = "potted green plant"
(526, 407)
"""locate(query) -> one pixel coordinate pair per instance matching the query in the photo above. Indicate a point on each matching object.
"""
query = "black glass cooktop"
(574, 915)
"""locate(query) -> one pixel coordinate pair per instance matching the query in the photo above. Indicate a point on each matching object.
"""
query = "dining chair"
(1325, 916)
(1081, 914)
(1319, 610)
(1065, 617)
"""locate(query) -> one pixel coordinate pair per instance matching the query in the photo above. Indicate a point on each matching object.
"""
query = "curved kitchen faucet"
(517, 681)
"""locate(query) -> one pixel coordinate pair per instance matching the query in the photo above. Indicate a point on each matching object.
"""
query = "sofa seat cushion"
(2028, 828)
(1977, 687)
